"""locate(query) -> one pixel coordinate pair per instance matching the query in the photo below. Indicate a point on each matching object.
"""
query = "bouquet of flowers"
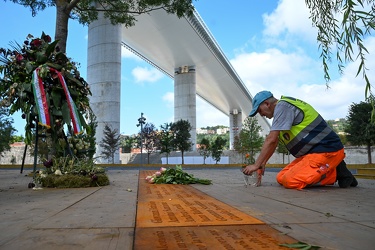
(174, 176)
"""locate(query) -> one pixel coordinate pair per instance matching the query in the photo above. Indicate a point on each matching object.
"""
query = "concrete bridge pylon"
(104, 76)
(185, 99)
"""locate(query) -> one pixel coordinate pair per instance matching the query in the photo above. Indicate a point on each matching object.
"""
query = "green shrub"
(74, 181)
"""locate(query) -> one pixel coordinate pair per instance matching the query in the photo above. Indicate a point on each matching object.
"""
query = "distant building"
(221, 131)
(201, 131)
(213, 131)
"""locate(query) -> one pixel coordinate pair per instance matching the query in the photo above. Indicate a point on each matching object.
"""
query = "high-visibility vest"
(311, 135)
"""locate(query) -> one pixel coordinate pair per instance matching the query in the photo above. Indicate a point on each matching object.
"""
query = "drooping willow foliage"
(343, 25)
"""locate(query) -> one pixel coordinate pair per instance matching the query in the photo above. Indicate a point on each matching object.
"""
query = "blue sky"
(271, 44)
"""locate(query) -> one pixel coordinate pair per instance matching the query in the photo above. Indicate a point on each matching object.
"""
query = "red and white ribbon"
(41, 101)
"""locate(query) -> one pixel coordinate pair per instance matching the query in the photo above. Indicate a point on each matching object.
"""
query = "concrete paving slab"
(77, 218)
(73, 239)
(109, 206)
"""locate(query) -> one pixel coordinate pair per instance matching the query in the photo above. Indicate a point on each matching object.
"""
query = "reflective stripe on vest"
(312, 134)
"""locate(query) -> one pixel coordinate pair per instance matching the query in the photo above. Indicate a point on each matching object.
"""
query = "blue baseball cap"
(258, 99)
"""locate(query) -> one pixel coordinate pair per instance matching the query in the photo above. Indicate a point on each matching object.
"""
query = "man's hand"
(249, 169)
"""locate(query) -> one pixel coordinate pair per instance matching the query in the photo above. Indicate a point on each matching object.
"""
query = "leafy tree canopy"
(17, 138)
(166, 138)
(359, 129)
(181, 136)
(204, 148)
(150, 138)
(118, 12)
(249, 141)
(6, 130)
(217, 148)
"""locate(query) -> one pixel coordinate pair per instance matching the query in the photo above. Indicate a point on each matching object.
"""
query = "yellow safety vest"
(311, 135)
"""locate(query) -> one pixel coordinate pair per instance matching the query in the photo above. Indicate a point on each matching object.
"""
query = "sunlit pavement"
(106, 217)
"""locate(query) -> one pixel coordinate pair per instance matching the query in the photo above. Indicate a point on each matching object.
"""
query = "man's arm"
(268, 149)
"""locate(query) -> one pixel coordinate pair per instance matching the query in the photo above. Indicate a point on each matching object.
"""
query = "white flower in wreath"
(58, 172)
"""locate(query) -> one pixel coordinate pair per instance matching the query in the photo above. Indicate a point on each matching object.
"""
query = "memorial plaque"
(211, 237)
(164, 205)
(182, 217)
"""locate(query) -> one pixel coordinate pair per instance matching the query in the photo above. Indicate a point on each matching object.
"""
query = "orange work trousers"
(316, 169)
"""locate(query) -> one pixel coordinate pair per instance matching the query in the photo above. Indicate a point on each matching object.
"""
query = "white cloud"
(146, 75)
(273, 68)
(290, 17)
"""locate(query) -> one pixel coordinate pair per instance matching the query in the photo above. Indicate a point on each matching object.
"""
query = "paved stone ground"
(104, 217)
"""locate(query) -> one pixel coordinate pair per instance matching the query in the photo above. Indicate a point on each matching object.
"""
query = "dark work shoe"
(344, 176)
(354, 182)
(345, 182)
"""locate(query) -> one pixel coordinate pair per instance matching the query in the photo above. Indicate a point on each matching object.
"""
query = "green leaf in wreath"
(56, 112)
(82, 119)
(54, 65)
(28, 136)
(41, 57)
(56, 98)
(75, 80)
(51, 48)
(73, 93)
(29, 67)
(61, 57)
(27, 87)
(65, 113)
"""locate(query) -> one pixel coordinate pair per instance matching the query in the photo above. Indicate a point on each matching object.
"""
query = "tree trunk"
(61, 29)
(182, 155)
(369, 153)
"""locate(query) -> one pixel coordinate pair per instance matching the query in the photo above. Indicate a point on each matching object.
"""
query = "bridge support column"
(104, 76)
(235, 125)
(185, 98)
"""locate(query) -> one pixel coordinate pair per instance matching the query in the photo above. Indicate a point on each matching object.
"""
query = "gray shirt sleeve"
(285, 115)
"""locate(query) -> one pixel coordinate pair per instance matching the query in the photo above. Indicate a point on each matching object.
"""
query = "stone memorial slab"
(182, 217)
(163, 205)
(211, 237)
